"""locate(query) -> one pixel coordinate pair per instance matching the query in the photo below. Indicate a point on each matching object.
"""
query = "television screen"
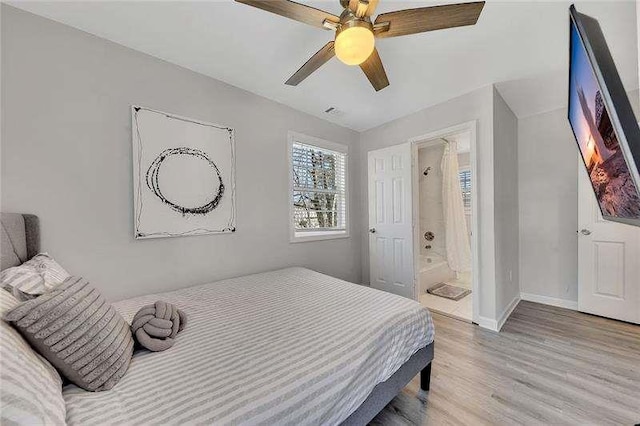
(600, 119)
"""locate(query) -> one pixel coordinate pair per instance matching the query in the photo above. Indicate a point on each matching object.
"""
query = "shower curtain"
(456, 234)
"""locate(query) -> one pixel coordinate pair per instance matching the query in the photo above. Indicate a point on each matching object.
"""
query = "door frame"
(420, 142)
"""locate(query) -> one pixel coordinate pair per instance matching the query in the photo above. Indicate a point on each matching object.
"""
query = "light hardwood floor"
(547, 366)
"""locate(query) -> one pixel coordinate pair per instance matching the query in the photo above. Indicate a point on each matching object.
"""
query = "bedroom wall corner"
(505, 151)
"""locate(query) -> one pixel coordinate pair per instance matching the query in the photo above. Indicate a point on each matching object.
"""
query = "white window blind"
(465, 185)
(318, 190)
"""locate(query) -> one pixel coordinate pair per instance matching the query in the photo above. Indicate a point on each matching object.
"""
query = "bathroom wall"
(430, 193)
(464, 159)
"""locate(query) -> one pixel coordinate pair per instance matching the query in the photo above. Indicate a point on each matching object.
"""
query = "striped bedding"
(286, 347)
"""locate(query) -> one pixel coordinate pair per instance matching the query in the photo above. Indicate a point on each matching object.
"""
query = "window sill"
(302, 237)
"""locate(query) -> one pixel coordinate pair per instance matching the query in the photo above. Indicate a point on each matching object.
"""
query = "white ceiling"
(521, 45)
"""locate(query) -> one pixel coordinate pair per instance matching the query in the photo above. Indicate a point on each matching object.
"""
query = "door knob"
(585, 232)
(372, 230)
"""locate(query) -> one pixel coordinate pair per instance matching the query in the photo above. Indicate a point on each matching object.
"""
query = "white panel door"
(608, 261)
(390, 220)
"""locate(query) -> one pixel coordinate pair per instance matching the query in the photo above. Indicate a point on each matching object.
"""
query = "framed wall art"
(183, 175)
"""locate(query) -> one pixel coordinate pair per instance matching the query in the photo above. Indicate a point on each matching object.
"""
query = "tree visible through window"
(318, 187)
(465, 185)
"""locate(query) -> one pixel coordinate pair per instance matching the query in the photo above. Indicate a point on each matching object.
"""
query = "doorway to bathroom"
(444, 203)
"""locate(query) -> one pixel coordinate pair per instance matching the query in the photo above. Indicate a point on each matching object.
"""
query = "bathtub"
(434, 269)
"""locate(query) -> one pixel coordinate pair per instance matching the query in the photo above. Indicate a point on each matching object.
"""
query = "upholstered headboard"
(20, 238)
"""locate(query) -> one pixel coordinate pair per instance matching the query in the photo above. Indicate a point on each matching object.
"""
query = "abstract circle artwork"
(153, 181)
(183, 175)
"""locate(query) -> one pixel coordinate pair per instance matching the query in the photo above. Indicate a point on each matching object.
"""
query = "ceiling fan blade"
(315, 62)
(371, 8)
(374, 71)
(412, 21)
(292, 10)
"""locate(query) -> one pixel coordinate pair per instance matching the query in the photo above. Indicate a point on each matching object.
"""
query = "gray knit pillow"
(78, 332)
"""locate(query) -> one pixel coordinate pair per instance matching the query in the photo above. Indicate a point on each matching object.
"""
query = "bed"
(291, 346)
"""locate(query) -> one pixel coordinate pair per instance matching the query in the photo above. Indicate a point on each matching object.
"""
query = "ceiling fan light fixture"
(354, 44)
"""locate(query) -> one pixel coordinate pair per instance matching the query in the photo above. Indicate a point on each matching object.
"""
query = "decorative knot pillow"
(77, 331)
(34, 277)
(156, 326)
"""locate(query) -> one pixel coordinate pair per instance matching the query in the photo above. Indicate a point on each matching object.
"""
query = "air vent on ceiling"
(334, 111)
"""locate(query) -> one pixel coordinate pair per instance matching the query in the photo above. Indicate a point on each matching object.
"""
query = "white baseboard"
(496, 325)
(507, 312)
(488, 323)
(553, 301)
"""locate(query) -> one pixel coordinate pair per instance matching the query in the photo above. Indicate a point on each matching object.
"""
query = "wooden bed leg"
(425, 378)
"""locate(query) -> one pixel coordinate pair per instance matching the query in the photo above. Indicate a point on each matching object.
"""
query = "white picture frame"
(183, 175)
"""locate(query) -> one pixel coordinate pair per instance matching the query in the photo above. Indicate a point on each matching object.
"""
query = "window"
(318, 189)
(465, 185)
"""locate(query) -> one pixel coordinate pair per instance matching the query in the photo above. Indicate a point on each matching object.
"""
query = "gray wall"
(66, 156)
(505, 151)
(548, 204)
(477, 105)
(548, 182)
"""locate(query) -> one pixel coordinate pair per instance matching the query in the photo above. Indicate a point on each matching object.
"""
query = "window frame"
(467, 210)
(319, 235)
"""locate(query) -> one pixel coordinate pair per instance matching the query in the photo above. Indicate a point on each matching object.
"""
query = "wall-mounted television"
(603, 122)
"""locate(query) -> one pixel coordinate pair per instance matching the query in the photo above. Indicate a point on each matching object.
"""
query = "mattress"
(291, 346)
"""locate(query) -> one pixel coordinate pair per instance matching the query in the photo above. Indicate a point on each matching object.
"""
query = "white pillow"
(30, 388)
(34, 277)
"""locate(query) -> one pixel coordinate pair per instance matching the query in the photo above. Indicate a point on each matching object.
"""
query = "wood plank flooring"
(547, 366)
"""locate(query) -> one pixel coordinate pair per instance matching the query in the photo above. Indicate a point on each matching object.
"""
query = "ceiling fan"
(356, 31)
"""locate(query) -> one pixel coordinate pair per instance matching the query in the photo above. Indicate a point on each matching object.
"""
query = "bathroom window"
(465, 185)
(318, 189)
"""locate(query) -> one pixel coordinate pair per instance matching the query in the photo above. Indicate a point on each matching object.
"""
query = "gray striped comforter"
(286, 347)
